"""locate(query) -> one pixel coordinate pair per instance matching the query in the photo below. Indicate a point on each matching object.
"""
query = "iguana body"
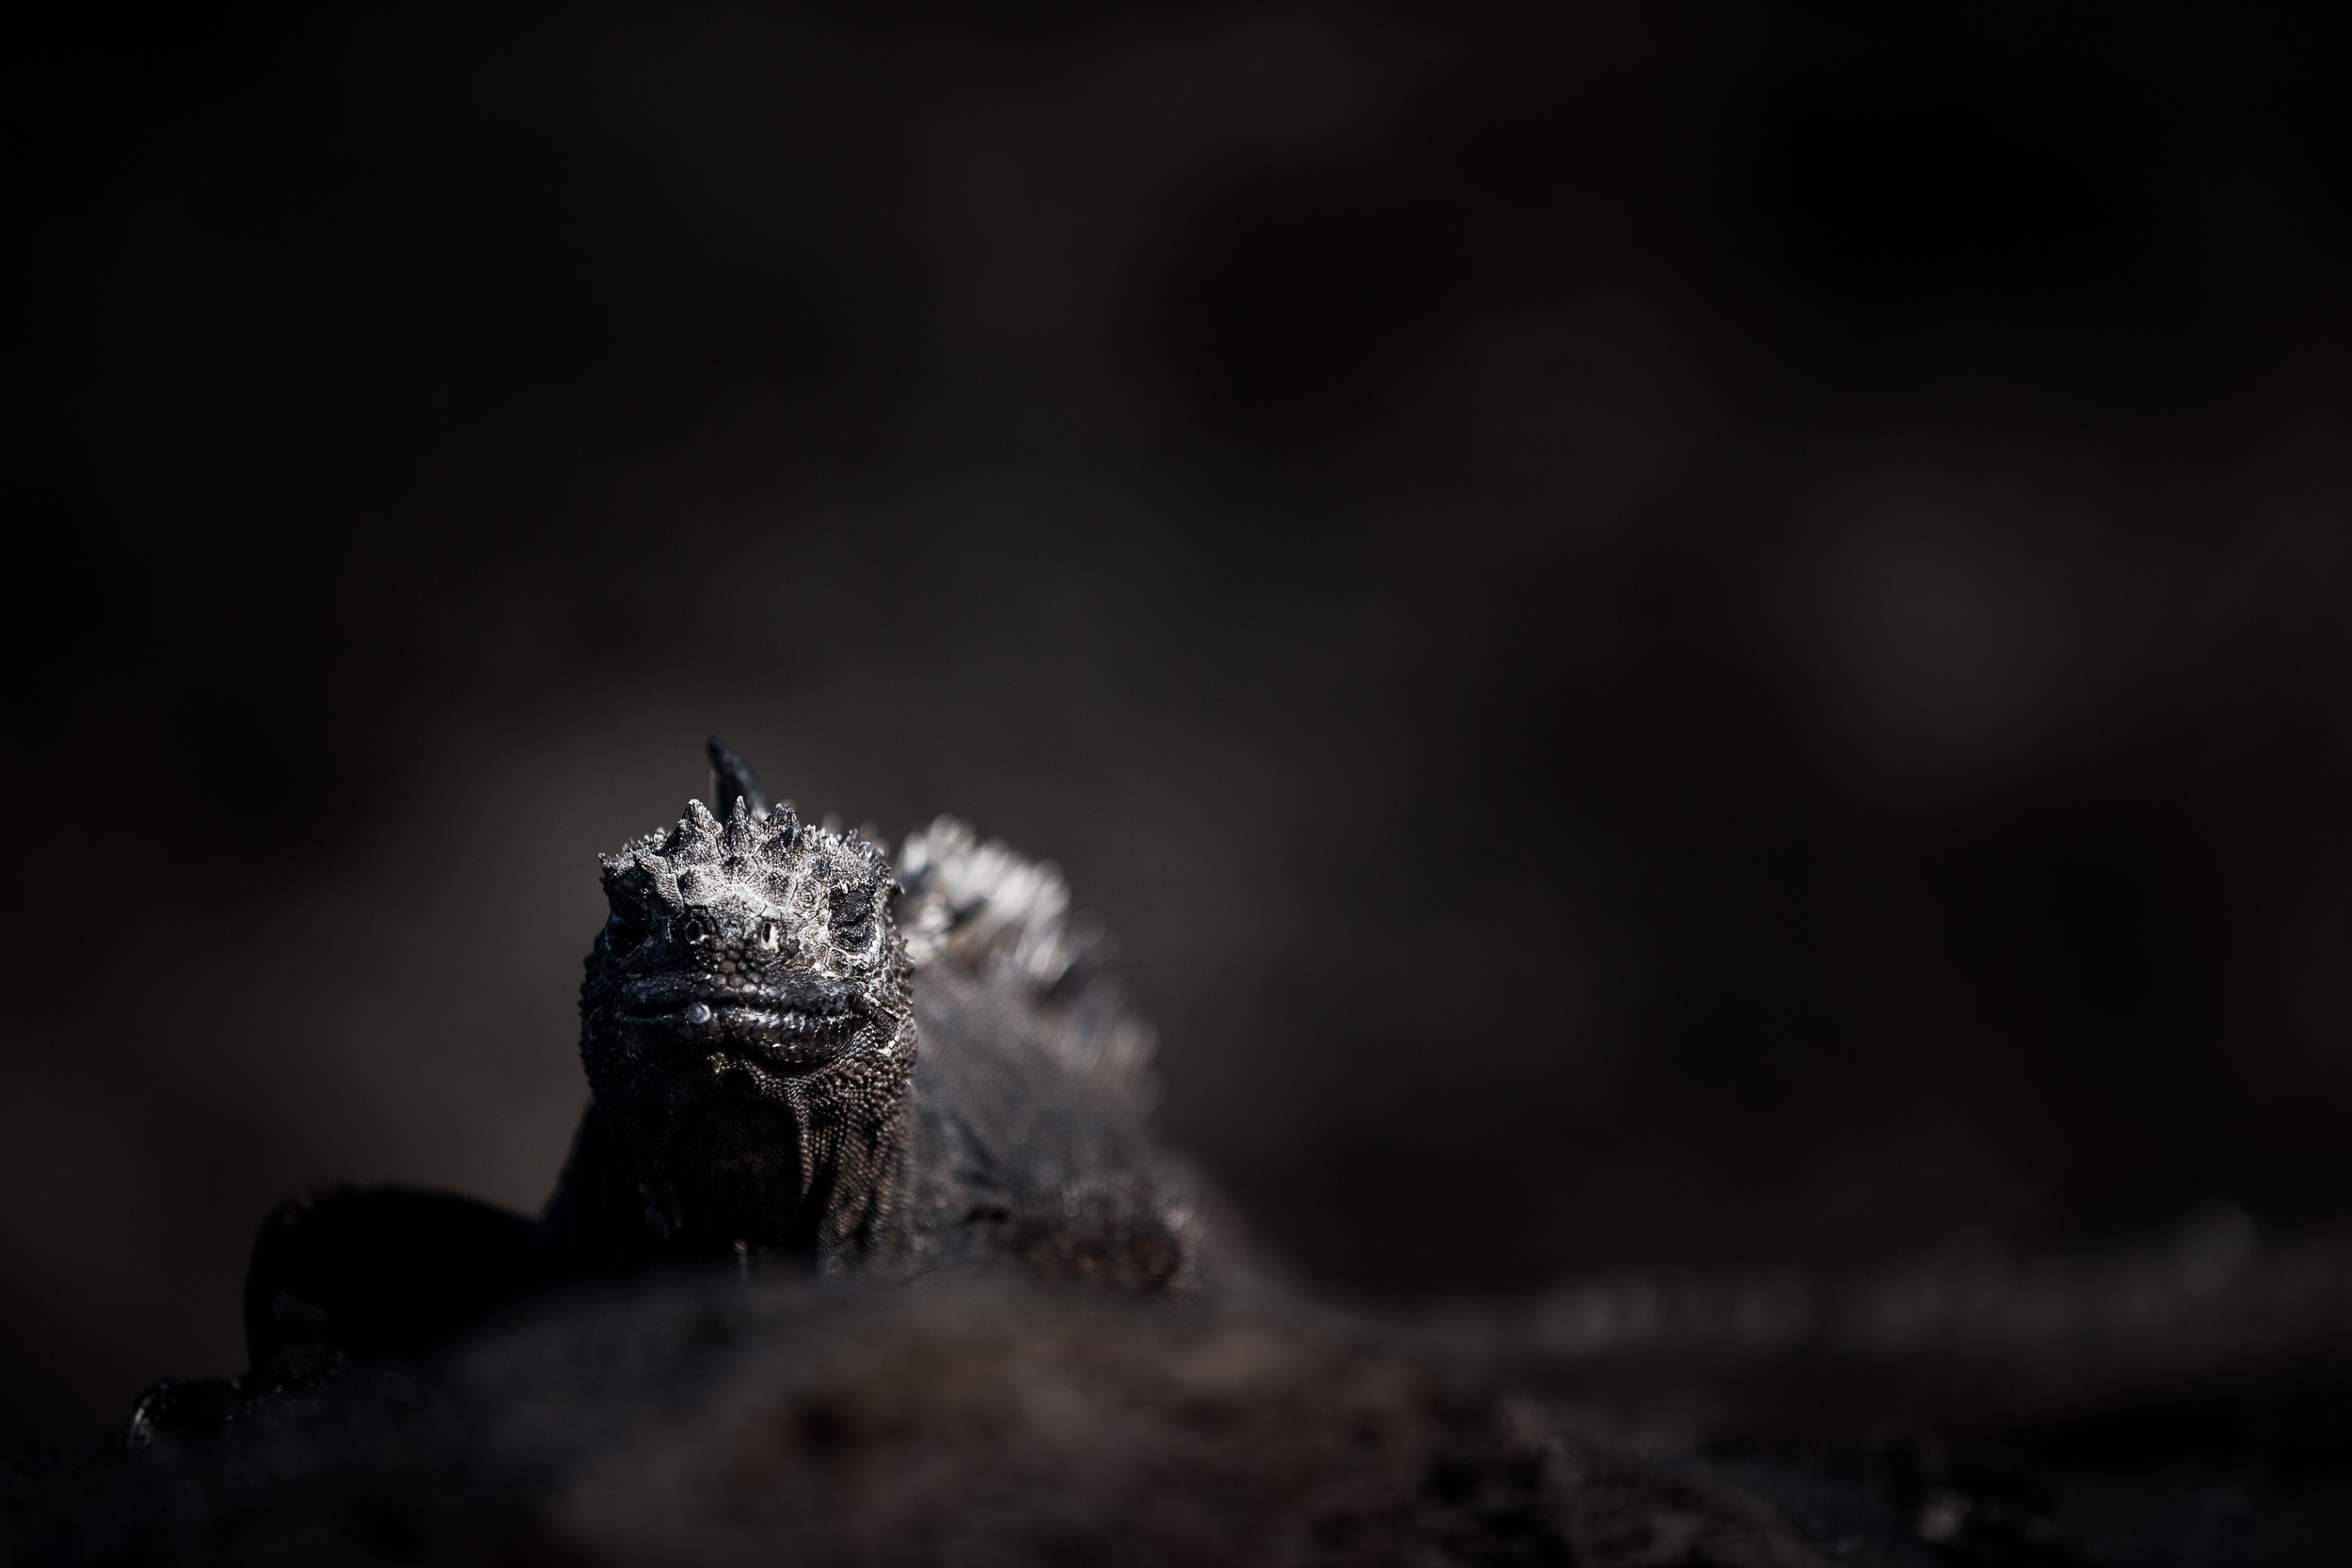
(798, 1058)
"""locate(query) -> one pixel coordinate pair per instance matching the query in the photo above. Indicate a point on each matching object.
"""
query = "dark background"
(1667, 638)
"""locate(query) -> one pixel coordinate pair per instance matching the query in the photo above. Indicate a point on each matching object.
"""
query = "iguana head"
(745, 1019)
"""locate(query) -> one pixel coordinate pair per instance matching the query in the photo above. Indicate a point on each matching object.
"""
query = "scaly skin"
(747, 1027)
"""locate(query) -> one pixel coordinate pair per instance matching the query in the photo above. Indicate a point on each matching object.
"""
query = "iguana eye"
(853, 916)
(770, 938)
(624, 932)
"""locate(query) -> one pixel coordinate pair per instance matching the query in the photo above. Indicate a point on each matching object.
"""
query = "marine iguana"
(798, 1055)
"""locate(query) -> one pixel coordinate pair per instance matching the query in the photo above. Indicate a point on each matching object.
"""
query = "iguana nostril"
(698, 1014)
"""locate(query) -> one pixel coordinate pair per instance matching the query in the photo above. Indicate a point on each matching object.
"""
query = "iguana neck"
(815, 1167)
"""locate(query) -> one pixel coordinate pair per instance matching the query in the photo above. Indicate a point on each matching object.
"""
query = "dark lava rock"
(2093, 1409)
(705, 1419)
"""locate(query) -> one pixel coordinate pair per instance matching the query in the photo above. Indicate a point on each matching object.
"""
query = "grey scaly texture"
(1006, 920)
(778, 1071)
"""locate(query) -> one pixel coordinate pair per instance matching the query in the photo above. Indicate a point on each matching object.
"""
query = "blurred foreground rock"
(2183, 1403)
(707, 1420)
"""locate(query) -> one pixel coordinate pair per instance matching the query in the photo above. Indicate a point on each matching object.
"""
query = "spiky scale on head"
(732, 779)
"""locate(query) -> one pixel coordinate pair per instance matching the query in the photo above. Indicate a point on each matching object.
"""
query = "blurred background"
(1667, 638)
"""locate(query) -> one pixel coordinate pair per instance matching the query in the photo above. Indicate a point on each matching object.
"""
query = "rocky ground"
(2186, 1402)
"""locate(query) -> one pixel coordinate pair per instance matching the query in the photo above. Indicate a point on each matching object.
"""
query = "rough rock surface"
(695, 1416)
(702, 1419)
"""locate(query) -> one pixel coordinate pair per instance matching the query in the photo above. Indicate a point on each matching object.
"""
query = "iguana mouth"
(795, 1027)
